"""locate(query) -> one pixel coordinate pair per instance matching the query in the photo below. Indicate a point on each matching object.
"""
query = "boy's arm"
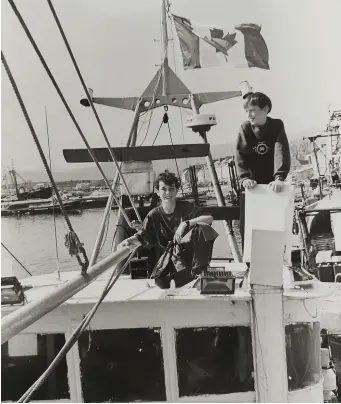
(208, 219)
(281, 155)
(240, 157)
(145, 236)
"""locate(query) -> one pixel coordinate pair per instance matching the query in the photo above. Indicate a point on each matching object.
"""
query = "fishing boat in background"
(319, 217)
(107, 333)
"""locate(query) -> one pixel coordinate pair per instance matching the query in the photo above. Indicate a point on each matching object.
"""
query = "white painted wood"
(245, 397)
(266, 237)
(169, 360)
(267, 210)
(267, 257)
(269, 345)
(17, 321)
(23, 345)
(74, 375)
(135, 314)
(302, 311)
(175, 313)
(310, 394)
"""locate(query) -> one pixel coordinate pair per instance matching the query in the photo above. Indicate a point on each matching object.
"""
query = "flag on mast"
(207, 46)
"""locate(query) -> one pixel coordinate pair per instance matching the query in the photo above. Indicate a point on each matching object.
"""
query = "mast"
(164, 47)
(4, 178)
(217, 190)
(13, 176)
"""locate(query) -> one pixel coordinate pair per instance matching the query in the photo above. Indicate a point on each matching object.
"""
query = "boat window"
(214, 360)
(303, 354)
(23, 360)
(122, 365)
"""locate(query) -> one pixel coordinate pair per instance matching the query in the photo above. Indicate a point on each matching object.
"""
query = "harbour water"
(32, 240)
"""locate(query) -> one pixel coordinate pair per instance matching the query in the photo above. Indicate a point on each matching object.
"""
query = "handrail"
(22, 318)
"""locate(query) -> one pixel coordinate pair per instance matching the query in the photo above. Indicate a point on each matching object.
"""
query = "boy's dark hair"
(168, 179)
(260, 100)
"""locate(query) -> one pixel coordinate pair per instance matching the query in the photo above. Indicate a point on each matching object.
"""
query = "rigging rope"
(48, 71)
(76, 334)
(16, 259)
(53, 210)
(151, 104)
(174, 60)
(94, 110)
(84, 264)
(157, 134)
(145, 136)
(176, 162)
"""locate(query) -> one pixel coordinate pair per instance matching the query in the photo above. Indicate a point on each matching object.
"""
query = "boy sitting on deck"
(180, 233)
(262, 152)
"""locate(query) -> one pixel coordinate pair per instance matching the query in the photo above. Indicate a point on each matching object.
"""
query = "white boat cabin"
(148, 344)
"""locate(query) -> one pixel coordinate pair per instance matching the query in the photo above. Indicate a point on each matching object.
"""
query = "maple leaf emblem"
(220, 42)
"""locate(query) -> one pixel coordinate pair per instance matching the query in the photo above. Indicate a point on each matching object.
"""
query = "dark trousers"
(195, 256)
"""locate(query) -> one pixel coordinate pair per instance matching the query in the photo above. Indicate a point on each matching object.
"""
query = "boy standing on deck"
(262, 151)
(181, 234)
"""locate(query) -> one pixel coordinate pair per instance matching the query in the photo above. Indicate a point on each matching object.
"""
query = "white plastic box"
(139, 176)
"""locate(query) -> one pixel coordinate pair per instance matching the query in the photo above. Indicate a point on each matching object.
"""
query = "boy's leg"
(201, 248)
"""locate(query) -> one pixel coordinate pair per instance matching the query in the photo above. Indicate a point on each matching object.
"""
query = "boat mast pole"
(133, 131)
(320, 183)
(20, 319)
(6, 179)
(217, 190)
(13, 176)
(164, 47)
(130, 142)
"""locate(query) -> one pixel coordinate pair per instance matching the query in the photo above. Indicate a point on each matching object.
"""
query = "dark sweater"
(262, 153)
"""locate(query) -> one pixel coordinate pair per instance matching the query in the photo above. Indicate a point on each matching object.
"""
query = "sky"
(117, 47)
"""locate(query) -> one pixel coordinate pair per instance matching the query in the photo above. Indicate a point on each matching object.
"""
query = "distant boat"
(37, 206)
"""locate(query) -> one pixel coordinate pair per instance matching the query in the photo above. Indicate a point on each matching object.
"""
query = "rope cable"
(157, 134)
(48, 71)
(53, 210)
(42, 155)
(16, 259)
(176, 162)
(76, 334)
(174, 60)
(94, 110)
(145, 136)
(159, 75)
